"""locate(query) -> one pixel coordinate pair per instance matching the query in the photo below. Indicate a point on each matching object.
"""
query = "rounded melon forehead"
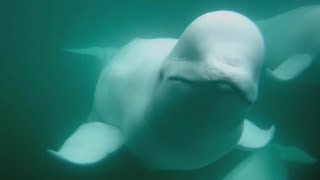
(226, 38)
(224, 33)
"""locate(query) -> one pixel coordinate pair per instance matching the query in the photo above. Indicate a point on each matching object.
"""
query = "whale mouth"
(221, 86)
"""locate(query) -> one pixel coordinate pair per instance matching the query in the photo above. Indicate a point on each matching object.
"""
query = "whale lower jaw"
(167, 151)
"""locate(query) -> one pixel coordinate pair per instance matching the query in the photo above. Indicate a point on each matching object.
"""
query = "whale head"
(222, 48)
(205, 87)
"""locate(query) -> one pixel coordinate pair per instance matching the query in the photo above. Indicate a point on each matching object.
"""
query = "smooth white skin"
(204, 89)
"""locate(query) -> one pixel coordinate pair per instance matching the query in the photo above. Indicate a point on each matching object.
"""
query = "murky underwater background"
(45, 93)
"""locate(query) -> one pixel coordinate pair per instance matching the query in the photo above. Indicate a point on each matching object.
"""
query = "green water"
(45, 93)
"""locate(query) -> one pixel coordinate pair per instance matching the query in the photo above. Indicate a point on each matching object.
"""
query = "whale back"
(125, 85)
(290, 33)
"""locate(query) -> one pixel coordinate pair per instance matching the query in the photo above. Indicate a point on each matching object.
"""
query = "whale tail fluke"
(104, 54)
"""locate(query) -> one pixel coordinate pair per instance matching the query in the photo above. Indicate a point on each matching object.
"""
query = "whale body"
(177, 104)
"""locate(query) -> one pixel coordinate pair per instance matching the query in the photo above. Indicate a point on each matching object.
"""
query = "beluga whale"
(292, 42)
(177, 104)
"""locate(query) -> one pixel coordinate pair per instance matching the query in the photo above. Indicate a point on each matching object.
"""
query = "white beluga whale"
(292, 41)
(177, 104)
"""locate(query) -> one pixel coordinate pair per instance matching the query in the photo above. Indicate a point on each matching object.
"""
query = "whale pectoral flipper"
(90, 143)
(253, 137)
(270, 163)
(292, 67)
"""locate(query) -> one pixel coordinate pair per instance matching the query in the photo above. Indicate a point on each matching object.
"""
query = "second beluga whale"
(177, 104)
(292, 42)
